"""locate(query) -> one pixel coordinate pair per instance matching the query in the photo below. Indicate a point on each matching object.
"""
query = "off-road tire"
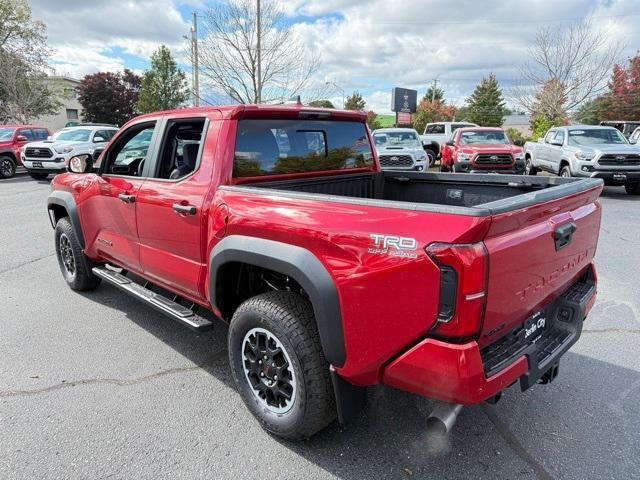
(289, 317)
(632, 188)
(81, 278)
(38, 176)
(7, 167)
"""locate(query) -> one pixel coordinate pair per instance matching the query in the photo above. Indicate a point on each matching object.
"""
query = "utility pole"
(196, 68)
(433, 90)
(259, 89)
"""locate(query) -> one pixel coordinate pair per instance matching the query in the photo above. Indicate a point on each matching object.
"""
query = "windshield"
(400, 139)
(491, 137)
(6, 133)
(75, 135)
(596, 136)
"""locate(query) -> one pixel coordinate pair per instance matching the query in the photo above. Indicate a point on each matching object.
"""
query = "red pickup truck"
(332, 274)
(12, 139)
(481, 150)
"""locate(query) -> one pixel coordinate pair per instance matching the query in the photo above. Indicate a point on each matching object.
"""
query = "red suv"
(481, 150)
(12, 139)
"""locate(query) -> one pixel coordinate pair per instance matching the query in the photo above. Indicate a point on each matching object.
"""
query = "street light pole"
(258, 28)
(196, 68)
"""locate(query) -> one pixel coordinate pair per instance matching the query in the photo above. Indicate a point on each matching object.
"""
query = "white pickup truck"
(586, 151)
(437, 134)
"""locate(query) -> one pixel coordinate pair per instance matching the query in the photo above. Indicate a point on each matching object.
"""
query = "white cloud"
(372, 46)
(84, 34)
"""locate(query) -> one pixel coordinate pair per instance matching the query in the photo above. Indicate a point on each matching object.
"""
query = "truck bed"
(469, 194)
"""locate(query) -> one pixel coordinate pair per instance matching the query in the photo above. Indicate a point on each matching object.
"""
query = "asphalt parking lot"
(99, 386)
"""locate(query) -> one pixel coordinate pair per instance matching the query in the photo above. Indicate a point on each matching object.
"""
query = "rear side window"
(27, 133)
(276, 147)
(41, 134)
(436, 128)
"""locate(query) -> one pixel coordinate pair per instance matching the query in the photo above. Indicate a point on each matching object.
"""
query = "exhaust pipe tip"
(443, 418)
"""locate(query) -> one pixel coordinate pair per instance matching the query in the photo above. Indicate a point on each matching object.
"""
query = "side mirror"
(80, 164)
(98, 139)
(49, 137)
(450, 143)
(541, 140)
(22, 138)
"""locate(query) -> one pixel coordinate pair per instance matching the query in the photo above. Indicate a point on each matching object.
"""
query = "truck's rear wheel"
(7, 167)
(74, 265)
(632, 188)
(279, 367)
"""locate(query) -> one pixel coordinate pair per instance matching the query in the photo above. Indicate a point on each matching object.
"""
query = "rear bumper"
(463, 373)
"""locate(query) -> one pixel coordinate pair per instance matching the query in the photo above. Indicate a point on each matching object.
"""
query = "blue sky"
(369, 46)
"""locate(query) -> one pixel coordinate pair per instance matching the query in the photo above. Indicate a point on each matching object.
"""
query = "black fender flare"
(297, 263)
(66, 200)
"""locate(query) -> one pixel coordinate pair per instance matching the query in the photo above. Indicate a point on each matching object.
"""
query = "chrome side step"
(174, 310)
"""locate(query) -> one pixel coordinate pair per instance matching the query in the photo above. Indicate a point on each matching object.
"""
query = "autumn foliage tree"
(433, 108)
(622, 98)
(109, 97)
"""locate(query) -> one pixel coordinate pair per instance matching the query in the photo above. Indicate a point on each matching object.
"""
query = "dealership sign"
(404, 100)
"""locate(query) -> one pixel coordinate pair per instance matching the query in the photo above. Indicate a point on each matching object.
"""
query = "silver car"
(400, 149)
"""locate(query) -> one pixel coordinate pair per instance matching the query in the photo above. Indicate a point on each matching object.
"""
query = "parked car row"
(42, 153)
(601, 151)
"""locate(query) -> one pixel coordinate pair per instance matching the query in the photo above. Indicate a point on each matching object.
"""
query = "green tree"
(321, 104)
(486, 105)
(355, 102)
(163, 86)
(109, 97)
(433, 95)
(24, 95)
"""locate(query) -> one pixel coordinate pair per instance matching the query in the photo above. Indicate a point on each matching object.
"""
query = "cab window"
(181, 149)
(549, 136)
(560, 137)
(436, 128)
(129, 154)
(27, 133)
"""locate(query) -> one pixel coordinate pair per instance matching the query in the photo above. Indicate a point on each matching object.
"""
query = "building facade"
(70, 111)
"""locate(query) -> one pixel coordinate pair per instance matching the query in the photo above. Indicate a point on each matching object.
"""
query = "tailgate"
(535, 253)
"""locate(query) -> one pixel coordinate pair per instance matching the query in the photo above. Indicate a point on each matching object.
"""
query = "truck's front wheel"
(74, 265)
(279, 367)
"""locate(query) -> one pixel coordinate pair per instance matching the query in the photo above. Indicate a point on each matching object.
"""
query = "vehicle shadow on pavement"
(559, 430)
(618, 193)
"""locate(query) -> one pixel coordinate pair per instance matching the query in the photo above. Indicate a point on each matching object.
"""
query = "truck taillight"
(463, 284)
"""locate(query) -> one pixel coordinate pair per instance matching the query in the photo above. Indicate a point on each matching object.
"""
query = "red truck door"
(110, 227)
(171, 216)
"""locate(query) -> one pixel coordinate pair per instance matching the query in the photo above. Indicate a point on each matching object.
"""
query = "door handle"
(126, 198)
(184, 209)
